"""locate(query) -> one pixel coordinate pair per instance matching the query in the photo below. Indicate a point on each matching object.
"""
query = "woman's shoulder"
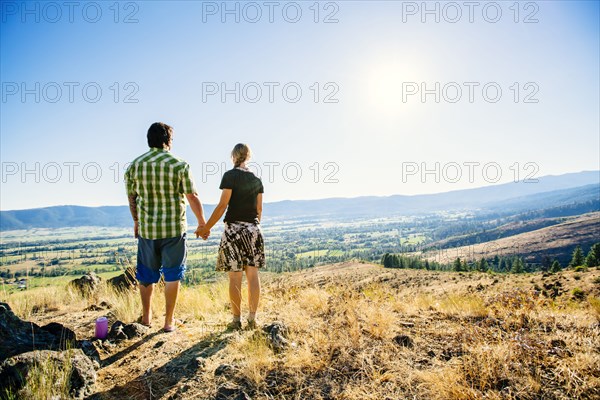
(243, 172)
(241, 175)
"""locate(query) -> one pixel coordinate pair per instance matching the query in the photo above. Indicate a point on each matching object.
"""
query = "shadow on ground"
(156, 382)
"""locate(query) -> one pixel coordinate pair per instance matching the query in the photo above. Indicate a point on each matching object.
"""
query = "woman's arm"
(259, 206)
(220, 209)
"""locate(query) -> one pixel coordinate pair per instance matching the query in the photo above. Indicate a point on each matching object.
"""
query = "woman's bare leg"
(235, 293)
(253, 290)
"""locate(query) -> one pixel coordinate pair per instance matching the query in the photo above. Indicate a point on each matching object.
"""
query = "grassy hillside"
(555, 241)
(356, 331)
(505, 230)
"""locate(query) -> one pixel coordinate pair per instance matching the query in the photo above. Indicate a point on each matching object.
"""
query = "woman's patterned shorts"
(242, 245)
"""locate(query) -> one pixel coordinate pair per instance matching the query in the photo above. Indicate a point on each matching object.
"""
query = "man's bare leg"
(171, 292)
(146, 295)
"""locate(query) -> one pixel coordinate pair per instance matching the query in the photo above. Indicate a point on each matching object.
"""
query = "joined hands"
(202, 231)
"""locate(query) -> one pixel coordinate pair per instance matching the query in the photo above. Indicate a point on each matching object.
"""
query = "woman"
(242, 245)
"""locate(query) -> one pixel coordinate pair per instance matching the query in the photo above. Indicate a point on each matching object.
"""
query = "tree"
(457, 266)
(385, 260)
(577, 259)
(502, 266)
(517, 266)
(465, 266)
(546, 263)
(397, 262)
(556, 267)
(483, 265)
(593, 257)
(508, 264)
(496, 262)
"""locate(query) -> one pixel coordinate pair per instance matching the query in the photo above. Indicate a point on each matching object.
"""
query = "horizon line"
(337, 197)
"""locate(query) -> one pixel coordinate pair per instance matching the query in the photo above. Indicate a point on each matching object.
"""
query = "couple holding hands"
(157, 183)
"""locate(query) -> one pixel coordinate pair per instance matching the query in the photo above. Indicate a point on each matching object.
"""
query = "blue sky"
(169, 54)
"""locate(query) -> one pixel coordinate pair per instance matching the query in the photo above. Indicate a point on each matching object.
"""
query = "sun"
(387, 82)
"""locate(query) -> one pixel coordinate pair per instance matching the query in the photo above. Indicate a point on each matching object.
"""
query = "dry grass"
(360, 332)
(49, 379)
(595, 306)
(29, 303)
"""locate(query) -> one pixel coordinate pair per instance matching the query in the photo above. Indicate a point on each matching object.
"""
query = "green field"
(56, 255)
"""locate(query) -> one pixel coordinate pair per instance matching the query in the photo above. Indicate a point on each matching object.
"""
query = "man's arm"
(132, 197)
(134, 214)
(196, 206)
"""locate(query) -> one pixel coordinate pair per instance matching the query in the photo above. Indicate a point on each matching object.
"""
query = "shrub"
(556, 267)
(578, 294)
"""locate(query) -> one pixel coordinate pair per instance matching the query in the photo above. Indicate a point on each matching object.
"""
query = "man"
(157, 183)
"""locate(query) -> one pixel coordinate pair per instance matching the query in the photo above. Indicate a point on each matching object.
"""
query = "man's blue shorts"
(166, 256)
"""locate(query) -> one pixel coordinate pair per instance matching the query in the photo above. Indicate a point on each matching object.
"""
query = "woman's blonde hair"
(240, 153)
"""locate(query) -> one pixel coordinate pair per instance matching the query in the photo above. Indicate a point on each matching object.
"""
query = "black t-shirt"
(245, 187)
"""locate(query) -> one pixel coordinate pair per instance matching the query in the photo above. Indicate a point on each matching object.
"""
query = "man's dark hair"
(159, 134)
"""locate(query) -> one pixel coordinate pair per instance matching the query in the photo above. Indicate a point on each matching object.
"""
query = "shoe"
(251, 324)
(234, 326)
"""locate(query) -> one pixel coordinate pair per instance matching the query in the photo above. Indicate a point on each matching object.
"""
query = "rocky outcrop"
(120, 331)
(18, 336)
(73, 365)
(276, 336)
(125, 281)
(87, 284)
(231, 392)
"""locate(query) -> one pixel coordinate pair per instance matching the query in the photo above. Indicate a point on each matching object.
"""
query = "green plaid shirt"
(160, 181)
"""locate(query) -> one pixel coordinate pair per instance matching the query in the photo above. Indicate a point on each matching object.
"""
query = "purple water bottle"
(101, 328)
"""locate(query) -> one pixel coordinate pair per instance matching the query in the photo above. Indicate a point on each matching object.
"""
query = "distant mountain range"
(549, 191)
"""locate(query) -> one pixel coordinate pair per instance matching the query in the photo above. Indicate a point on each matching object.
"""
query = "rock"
(226, 370)
(61, 331)
(106, 305)
(93, 307)
(116, 332)
(558, 347)
(120, 331)
(199, 363)
(502, 384)
(403, 340)
(231, 392)
(125, 281)
(452, 352)
(135, 330)
(87, 284)
(18, 336)
(276, 334)
(15, 370)
(90, 350)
